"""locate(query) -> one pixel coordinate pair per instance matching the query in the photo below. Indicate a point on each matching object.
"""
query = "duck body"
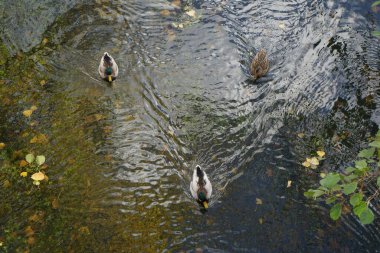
(200, 187)
(260, 64)
(108, 69)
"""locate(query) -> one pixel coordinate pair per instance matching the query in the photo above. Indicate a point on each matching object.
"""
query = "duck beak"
(109, 78)
(205, 204)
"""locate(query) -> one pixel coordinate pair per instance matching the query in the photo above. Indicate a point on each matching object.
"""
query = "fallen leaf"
(321, 153)
(306, 163)
(191, 13)
(301, 135)
(99, 116)
(39, 138)
(45, 41)
(165, 13)
(55, 204)
(323, 175)
(38, 176)
(261, 220)
(6, 184)
(2, 145)
(36, 217)
(33, 108)
(129, 118)
(23, 163)
(269, 172)
(314, 161)
(24, 174)
(282, 26)
(31, 240)
(27, 113)
(28, 231)
(84, 230)
(289, 184)
(176, 3)
(42, 82)
(259, 201)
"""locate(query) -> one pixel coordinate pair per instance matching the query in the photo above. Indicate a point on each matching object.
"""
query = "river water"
(121, 156)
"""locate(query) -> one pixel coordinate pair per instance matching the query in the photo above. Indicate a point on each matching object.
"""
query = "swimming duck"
(200, 186)
(260, 64)
(108, 68)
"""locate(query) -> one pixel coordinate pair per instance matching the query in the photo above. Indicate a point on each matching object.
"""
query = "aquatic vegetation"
(350, 186)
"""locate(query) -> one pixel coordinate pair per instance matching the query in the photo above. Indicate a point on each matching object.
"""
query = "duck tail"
(107, 59)
(200, 175)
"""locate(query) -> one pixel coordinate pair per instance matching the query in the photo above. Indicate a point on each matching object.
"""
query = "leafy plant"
(33, 165)
(349, 186)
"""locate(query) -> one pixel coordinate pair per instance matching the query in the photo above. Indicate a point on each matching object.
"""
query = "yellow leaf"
(301, 135)
(321, 153)
(31, 240)
(165, 13)
(314, 161)
(98, 116)
(6, 184)
(27, 113)
(29, 231)
(39, 138)
(323, 175)
(259, 201)
(261, 220)
(33, 108)
(44, 41)
(191, 13)
(55, 204)
(306, 163)
(2, 145)
(289, 184)
(84, 230)
(42, 82)
(176, 3)
(38, 176)
(24, 174)
(23, 163)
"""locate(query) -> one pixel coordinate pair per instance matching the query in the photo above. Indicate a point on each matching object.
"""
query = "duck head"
(202, 198)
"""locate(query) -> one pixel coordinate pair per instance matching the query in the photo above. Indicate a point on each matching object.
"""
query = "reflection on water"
(121, 155)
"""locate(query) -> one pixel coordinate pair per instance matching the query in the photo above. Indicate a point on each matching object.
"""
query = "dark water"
(120, 157)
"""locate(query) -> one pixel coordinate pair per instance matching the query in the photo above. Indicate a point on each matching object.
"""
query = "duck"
(260, 64)
(200, 187)
(108, 69)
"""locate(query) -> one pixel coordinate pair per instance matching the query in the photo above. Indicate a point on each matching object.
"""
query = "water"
(121, 157)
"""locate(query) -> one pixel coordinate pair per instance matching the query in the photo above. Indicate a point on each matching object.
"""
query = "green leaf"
(330, 200)
(378, 181)
(360, 208)
(378, 131)
(355, 199)
(375, 144)
(350, 188)
(350, 169)
(349, 178)
(309, 194)
(361, 164)
(336, 211)
(330, 180)
(29, 158)
(366, 217)
(313, 193)
(367, 153)
(40, 159)
(375, 4)
(336, 187)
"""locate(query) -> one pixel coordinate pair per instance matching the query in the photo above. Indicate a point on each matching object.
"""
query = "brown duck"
(260, 64)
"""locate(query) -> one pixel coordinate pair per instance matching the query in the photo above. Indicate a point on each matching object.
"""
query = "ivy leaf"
(350, 169)
(336, 211)
(355, 199)
(330, 180)
(29, 158)
(375, 144)
(361, 164)
(373, 5)
(40, 159)
(360, 208)
(366, 217)
(367, 153)
(350, 188)
(330, 200)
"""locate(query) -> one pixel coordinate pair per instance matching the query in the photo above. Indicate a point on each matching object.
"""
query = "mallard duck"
(108, 68)
(260, 64)
(200, 186)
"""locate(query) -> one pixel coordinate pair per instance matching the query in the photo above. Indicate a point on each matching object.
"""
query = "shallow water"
(121, 156)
